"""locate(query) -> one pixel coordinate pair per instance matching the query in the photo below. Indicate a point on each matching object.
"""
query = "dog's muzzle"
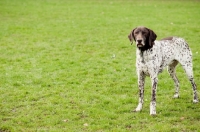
(140, 43)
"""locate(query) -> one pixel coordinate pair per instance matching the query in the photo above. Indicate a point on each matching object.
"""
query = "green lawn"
(67, 65)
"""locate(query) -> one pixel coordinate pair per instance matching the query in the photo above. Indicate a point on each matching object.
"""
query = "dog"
(153, 56)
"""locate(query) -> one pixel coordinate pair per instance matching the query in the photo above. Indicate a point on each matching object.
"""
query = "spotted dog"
(153, 56)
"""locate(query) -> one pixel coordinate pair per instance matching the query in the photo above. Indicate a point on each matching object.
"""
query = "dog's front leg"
(153, 96)
(141, 80)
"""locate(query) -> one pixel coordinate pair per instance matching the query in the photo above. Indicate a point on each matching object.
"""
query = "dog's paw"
(153, 108)
(139, 108)
(135, 110)
(152, 114)
(195, 101)
(176, 95)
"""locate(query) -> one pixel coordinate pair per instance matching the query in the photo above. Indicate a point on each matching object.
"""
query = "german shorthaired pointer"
(153, 56)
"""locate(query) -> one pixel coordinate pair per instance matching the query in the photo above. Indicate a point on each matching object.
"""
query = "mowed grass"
(68, 65)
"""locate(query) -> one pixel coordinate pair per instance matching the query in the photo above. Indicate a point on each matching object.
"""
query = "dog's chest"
(148, 56)
(149, 61)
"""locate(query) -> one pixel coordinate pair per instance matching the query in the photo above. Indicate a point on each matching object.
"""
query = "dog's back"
(175, 48)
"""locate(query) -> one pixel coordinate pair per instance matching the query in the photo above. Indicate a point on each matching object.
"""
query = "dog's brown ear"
(131, 36)
(152, 37)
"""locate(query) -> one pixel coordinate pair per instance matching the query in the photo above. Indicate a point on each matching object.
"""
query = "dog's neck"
(142, 50)
(142, 56)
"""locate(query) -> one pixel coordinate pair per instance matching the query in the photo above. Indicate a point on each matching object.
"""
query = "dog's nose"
(139, 41)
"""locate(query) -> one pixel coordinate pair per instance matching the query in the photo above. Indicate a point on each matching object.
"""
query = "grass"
(69, 66)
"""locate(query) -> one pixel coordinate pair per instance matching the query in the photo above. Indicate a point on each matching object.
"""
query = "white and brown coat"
(153, 56)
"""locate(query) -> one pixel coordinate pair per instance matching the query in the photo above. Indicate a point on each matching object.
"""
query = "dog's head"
(143, 37)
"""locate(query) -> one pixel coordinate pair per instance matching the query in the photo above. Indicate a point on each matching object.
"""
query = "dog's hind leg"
(172, 72)
(188, 69)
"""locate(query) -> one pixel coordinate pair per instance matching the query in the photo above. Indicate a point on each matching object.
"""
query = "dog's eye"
(143, 32)
(136, 32)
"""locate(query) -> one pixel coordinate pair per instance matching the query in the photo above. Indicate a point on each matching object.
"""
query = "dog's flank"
(153, 56)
